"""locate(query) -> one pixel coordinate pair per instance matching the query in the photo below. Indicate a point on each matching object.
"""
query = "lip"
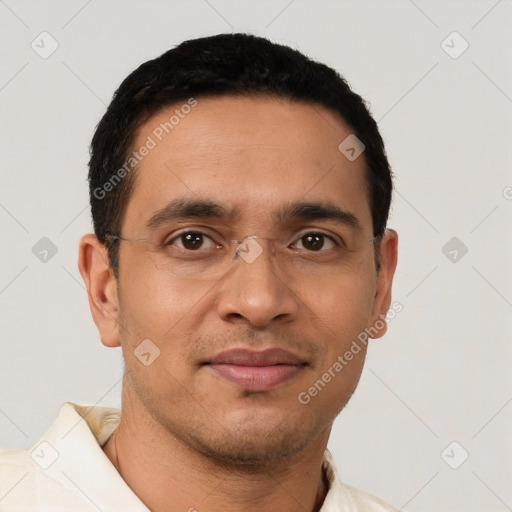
(256, 370)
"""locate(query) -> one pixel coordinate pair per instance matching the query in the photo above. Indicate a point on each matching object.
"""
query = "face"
(239, 332)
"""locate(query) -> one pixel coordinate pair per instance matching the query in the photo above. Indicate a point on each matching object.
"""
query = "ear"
(388, 252)
(101, 287)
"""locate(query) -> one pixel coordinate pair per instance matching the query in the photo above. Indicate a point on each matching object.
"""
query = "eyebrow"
(185, 209)
(317, 211)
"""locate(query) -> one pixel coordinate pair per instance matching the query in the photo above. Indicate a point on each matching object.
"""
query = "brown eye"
(192, 241)
(315, 242)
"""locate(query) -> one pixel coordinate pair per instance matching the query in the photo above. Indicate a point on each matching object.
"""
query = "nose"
(255, 291)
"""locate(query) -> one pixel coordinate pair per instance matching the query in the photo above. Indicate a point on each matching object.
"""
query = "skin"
(189, 438)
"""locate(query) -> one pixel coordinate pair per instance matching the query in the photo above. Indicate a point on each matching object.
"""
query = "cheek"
(343, 304)
(153, 299)
(163, 310)
(158, 308)
(340, 314)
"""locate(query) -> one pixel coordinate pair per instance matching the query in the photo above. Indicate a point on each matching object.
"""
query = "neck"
(168, 476)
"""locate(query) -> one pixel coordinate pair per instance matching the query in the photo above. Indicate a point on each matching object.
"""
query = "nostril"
(236, 315)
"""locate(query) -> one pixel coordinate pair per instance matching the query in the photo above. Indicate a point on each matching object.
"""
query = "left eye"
(316, 242)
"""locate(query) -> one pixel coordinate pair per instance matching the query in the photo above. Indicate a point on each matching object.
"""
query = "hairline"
(128, 186)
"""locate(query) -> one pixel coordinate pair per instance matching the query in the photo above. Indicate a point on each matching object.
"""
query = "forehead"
(251, 153)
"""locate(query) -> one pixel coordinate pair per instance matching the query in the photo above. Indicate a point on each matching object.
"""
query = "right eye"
(192, 241)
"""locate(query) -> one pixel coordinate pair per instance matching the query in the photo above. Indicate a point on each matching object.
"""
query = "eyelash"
(175, 237)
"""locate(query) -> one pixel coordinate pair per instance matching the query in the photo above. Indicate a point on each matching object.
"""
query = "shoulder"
(345, 498)
(26, 487)
(18, 477)
(358, 500)
(13, 463)
(43, 476)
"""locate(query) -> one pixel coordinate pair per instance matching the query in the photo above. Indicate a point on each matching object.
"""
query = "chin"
(252, 454)
(254, 446)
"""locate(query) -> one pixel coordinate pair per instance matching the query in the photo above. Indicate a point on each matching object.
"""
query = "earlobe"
(388, 251)
(101, 287)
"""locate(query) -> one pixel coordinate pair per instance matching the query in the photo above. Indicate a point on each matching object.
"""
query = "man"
(239, 194)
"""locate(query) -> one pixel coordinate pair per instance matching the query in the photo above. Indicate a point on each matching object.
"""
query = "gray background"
(442, 373)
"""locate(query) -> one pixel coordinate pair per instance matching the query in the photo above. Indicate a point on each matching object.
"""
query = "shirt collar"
(78, 435)
(80, 464)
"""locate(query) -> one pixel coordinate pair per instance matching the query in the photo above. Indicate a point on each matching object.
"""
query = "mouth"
(256, 370)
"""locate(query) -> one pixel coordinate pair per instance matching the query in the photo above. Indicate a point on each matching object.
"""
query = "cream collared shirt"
(67, 471)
